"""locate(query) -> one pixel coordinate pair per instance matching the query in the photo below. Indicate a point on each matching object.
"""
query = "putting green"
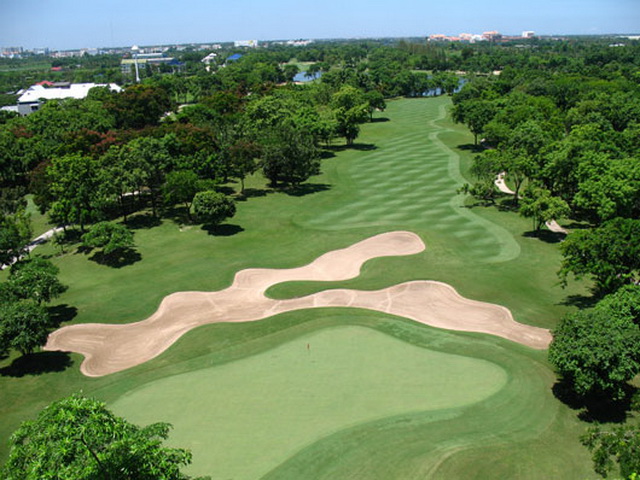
(243, 419)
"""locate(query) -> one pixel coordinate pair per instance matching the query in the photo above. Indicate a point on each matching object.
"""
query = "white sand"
(112, 348)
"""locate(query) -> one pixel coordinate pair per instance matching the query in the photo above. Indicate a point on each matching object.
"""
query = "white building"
(36, 95)
(246, 43)
(528, 34)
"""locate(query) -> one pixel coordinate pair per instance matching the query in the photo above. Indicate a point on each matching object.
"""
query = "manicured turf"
(521, 431)
(267, 406)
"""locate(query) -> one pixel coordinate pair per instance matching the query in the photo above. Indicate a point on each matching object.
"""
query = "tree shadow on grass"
(306, 189)
(365, 147)
(581, 301)
(224, 230)
(225, 189)
(471, 147)
(595, 408)
(61, 313)
(251, 193)
(142, 221)
(546, 236)
(117, 259)
(37, 364)
(506, 203)
(380, 120)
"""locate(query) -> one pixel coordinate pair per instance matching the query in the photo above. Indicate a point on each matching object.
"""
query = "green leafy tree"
(475, 115)
(148, 161)
(243, 155)
(539, 205)
(610, 254)
(213, 207)
(24, 326)
(34, 279)
(180, 187)
(289, 156)
(375, 101)
(596, 352)
(78, 438)
(138, 106)
(15, 233)
(351, 109)
(113, 238)
(620, 446)
(75, 189)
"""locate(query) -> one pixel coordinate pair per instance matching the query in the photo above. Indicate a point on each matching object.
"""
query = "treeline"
(566, 132)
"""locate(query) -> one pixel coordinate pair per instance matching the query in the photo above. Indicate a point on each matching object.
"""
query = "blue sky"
(66, 24)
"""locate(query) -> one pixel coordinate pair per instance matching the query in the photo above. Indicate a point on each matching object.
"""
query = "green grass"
(407, 182)
(321, 383)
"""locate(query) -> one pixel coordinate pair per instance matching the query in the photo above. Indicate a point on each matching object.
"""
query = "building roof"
(74, 90)
(235, 56)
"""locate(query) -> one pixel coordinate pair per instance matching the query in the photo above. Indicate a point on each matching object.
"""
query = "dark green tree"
(212, 207)
(610, 254)
(180, 187)
(78, 438)
(24, 326)
(113, 238)
(15, 233)
(289, 156)
(539, 205)
(34, 279)
(620, 446)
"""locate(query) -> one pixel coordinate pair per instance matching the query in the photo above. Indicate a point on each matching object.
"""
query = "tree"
(289, 156)
(75, 188)
(114, 238)
(213, 207)
(375, 101)
(351, 109)
(475, 115)
(609, 253)
(542, 207)
(243, 155)
(180, 187)
(34, 279)
(598, 351)
(620, 445)
(138, 106)
(15, 233)
(148, 160)
(78, 438)
(24, 326)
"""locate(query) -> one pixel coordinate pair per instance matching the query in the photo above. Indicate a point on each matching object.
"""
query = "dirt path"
(35, 242)
(112, 348)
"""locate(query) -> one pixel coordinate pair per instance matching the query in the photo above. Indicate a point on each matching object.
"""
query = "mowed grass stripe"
(411, 178)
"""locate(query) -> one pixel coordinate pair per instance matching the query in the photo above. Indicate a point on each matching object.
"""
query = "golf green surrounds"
(495, 417)
(267, 406)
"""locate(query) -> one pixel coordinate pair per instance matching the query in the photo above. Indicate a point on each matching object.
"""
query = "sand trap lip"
(111, 348)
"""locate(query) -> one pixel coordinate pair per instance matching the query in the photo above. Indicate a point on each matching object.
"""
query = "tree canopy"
(78, 438)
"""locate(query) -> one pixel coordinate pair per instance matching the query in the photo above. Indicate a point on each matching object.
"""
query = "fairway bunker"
(111, 348)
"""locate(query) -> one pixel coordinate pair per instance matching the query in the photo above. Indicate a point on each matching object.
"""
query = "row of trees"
(567, 139)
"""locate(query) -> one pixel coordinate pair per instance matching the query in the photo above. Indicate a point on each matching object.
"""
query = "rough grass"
(485, 253)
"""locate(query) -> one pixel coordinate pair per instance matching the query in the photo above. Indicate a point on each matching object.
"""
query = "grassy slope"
(482, 252)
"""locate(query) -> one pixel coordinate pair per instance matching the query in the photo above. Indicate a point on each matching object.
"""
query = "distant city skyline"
(73, 24)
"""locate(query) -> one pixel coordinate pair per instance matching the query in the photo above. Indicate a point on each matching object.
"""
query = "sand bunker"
(112, 348)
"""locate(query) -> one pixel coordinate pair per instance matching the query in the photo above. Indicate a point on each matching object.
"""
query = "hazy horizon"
(73, 24)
